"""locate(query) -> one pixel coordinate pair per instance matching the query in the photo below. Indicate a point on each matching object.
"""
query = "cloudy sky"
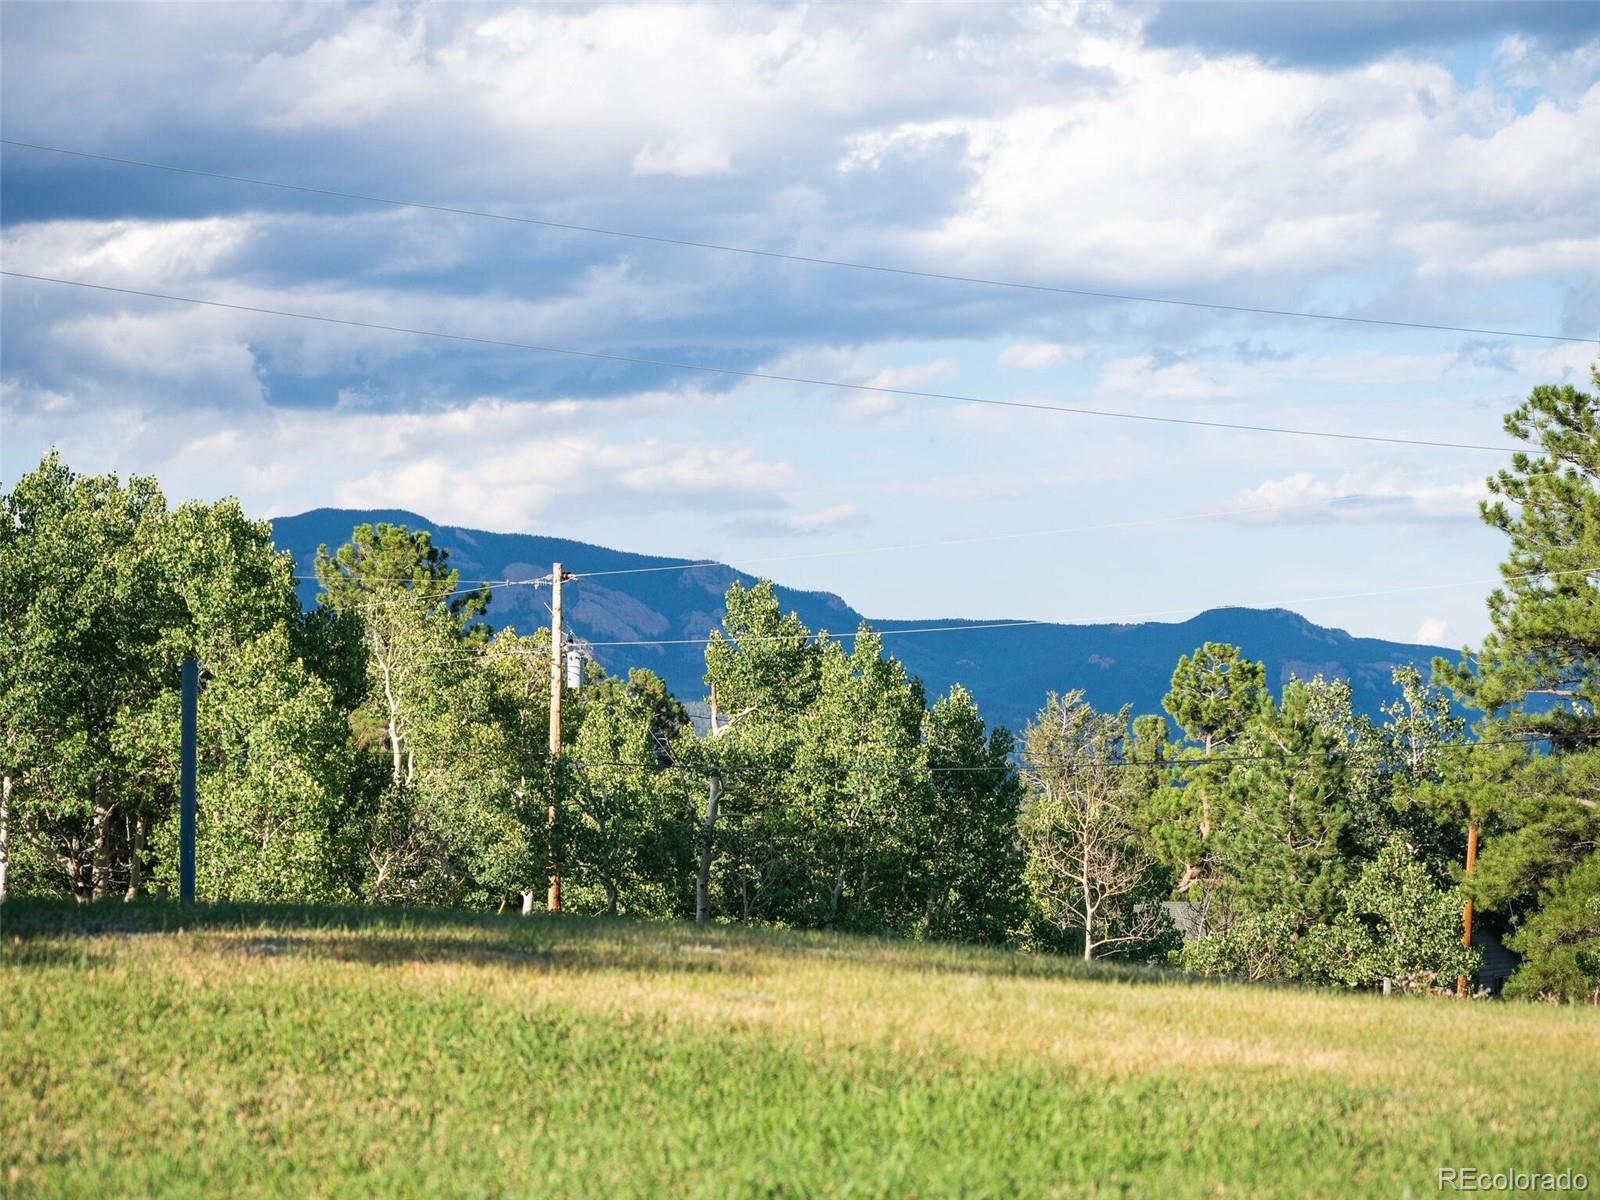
(1427, 163)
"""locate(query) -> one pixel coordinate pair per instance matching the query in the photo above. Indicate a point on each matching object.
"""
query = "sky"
(1427, 163)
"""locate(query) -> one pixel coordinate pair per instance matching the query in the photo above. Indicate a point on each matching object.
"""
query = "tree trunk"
(394, 720)
(527, 902)
(5, 832)
(833, 900)
(611, 898)
(137, 837)
(702, 883)
(101, 879)
(1088, 902)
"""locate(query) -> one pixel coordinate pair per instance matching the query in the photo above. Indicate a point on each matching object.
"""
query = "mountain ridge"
(1009, 670)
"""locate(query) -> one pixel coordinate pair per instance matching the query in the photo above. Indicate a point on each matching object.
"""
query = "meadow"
(153, 1050)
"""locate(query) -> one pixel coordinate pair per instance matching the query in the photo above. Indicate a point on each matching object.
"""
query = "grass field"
(149, 1051)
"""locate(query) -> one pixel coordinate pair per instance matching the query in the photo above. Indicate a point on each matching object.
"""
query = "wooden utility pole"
(553, 899)
(1466, 910)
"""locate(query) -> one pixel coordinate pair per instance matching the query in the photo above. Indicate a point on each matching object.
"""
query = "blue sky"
(1435, 163)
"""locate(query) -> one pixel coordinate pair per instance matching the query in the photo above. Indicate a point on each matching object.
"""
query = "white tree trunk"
(136, 860)
(394, 717)
(702, 883)
(1088, 898)
(100, 872)
(5, 832)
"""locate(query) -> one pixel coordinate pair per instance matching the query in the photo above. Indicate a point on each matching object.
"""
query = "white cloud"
(487, 464)
(913, 377)
(682, 157)
(1035, 356)
(1431, 632)
(346, 79)
(1303, 498)
(127, 252)
(826, 518)
(803, 524)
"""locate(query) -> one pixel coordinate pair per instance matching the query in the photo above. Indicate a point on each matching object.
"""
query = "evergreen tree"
(1538, 673)
(1287, 840)
(1215, 693)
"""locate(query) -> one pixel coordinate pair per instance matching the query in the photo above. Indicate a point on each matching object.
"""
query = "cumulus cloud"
(683, 157)
(1431, 632)
(802, 524)
(1303, 498)
(1034, 356)
(1064, 145)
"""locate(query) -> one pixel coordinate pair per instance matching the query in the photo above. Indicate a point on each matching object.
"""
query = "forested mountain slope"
(1009, 671)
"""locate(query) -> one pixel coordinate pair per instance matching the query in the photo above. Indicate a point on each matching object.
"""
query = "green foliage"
(966, 857)
(1214, 694)
(1561, 940)
(761, 662)
(1539, 819)
(1285, 841)
(275, 766)
(857, 797)
(631, 828)
(1256, 947)
(1396, 923)
(1546, 616)
(105, 591)
(389, 747)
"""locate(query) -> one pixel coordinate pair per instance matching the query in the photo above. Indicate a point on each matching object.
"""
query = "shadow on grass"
(20, 954)
(393, 936)
(515, 952)
(43, 931)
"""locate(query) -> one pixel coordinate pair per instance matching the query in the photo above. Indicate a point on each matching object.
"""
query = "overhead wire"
(980, 539)
(789, 256)
(956, 626)
(769, 376)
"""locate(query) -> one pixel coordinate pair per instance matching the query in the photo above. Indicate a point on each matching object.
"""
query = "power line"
(766, 376)
(784, 256)
(1121, 617)
(1014, 535)
(1100, 620)
(1005, 537)
(466, 586)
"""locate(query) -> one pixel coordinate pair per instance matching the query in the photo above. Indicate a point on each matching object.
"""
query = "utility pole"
(186, 771)
(1466, 911)
(557, 653)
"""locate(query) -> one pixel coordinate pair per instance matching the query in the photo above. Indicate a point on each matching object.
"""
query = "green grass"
(233, 1051)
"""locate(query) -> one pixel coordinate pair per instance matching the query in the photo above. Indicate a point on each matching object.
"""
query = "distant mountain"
(1009, 671)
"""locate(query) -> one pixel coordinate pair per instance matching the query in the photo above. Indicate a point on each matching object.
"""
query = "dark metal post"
(186, 801)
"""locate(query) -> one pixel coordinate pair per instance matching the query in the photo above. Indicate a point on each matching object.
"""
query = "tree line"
(389, 746)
